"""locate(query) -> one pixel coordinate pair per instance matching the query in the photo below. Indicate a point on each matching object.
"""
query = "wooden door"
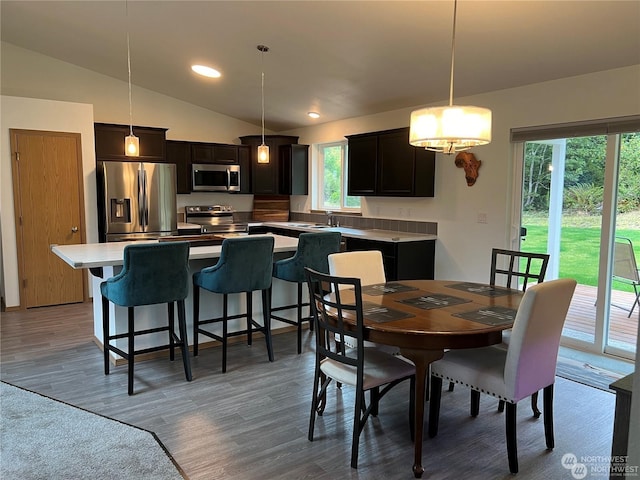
(48, 199)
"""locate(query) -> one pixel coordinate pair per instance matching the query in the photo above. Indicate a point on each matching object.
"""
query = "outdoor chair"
(625, 268)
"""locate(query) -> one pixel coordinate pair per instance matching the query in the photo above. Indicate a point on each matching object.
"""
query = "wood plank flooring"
(580, 323)
(252, 421)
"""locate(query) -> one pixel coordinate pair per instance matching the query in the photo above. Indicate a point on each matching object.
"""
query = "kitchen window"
(332, 179)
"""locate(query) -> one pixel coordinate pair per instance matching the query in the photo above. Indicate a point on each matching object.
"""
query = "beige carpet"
(42, 438)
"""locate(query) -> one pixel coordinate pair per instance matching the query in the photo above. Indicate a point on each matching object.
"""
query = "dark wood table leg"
(422, 359)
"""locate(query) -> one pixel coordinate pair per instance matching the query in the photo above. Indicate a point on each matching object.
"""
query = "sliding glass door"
(622, 328)
(578, 196)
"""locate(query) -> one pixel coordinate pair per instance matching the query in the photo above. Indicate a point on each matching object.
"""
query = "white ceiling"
(340, 58)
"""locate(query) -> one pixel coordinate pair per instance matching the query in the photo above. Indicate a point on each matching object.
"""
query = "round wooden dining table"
(425, 317)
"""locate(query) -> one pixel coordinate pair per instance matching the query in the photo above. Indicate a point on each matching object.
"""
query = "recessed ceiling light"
(206, 71)
(314, 114)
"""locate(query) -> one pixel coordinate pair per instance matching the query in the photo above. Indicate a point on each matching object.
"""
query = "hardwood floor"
(580, 323)
(252, 421)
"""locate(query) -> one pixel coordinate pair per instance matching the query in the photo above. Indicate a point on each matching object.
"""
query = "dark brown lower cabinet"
(402, 260)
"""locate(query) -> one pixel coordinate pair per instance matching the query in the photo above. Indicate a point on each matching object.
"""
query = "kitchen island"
(105, 260)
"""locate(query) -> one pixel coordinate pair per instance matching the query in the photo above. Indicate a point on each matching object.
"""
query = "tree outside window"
(333, 179)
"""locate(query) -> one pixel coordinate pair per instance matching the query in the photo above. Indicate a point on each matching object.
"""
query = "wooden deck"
(581, 321)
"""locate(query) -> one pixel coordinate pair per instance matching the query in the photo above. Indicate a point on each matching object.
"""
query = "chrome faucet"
(331, 219)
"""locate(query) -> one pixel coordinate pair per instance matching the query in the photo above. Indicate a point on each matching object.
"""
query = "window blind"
(587, 128)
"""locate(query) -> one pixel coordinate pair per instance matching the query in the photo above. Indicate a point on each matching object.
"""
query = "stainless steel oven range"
(214, 219)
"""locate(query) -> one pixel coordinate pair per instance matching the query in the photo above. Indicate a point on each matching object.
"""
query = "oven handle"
(228, 179)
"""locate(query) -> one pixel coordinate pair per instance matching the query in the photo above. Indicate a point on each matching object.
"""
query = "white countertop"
(92, 255)
(373, 234)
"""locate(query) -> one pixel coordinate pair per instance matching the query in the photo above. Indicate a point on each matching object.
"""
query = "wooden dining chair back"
(338, 316)
(528, 365)
(625, 268)
(515, 269)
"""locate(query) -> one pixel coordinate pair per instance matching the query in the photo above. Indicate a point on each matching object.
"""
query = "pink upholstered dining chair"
(528, 365)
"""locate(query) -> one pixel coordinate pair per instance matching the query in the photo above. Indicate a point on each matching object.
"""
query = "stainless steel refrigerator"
(136, 200)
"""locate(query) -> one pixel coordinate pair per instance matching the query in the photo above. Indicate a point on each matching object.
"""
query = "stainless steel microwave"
(215, 178)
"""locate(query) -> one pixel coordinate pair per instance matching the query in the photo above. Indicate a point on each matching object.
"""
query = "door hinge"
(17, 156)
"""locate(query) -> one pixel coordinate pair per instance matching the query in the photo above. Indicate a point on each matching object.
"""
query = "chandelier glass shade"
(452, 128)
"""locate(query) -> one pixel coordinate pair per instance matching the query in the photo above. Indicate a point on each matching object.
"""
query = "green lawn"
(579, 246)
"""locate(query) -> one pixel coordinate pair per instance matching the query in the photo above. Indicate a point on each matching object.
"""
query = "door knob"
(74, 229)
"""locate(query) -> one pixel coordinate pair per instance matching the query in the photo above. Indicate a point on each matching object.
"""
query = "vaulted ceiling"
(340, 58)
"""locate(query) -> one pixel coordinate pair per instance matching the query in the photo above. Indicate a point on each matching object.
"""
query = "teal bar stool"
(312, 252)
(151, 274)
(244, 266)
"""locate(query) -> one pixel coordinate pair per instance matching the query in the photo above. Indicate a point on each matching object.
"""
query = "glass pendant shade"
(263, 153)
(450, 129)
(131, 146)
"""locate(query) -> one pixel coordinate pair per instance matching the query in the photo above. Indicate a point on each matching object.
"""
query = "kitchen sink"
(300, 225)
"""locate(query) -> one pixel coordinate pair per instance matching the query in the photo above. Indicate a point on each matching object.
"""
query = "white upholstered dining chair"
(367, 265)
(528, 365)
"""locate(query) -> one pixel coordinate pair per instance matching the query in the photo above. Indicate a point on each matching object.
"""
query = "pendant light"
(263, 150)
(453, 128)
(131, 142)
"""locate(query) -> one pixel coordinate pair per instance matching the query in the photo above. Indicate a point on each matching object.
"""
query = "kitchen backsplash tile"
(351, 221)
(430, 228)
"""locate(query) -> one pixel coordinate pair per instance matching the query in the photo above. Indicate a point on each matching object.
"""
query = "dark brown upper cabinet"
(109, 143)
(179, 152)
(214, 153)
(287, 167)
(385, 164)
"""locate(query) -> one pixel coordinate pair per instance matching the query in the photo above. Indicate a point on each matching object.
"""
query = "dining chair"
(312, 251)
(244, 266)
(151, 274)
(625, 268)
(515, 269)
(366, 369)
(367, 265)
(528, 365)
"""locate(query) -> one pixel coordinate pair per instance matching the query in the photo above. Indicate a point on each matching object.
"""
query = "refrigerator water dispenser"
(120, 210)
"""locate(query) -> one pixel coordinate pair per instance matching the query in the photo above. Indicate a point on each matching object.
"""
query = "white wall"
(463, 245)
(34, 114)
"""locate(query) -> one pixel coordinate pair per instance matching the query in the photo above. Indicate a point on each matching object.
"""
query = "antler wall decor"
(471, 165)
